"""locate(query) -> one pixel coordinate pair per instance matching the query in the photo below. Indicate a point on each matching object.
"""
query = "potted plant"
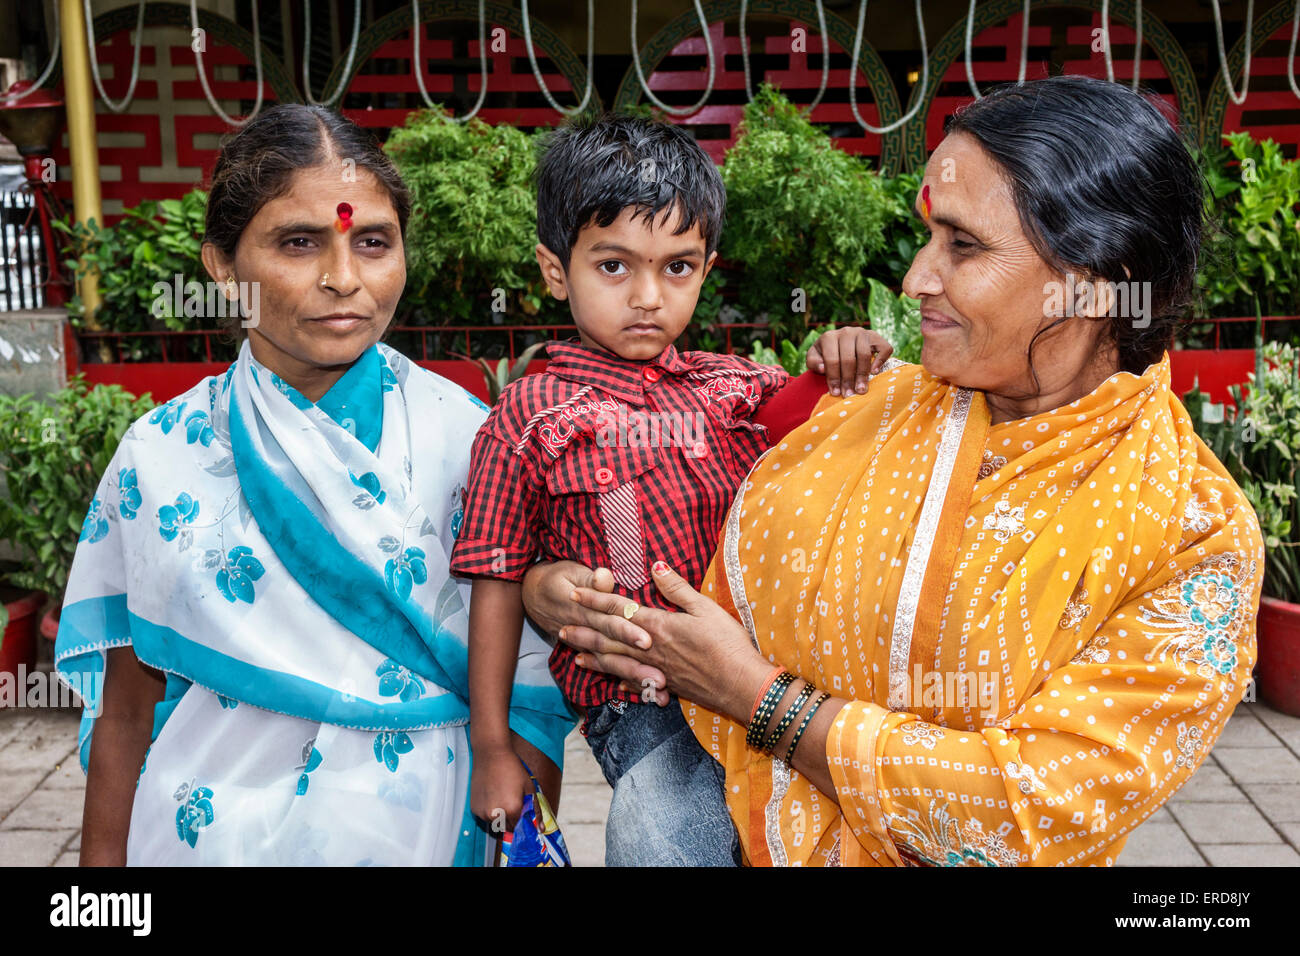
(155, 242)
(54, 452)
(805, 220)
(473, 222)
(1257, 438)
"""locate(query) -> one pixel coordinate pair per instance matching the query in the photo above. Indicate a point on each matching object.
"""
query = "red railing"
(117, 340)
(511, 333)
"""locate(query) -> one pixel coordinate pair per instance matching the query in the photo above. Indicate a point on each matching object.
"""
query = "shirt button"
(701, 450)
(604, 476)
(651, 373)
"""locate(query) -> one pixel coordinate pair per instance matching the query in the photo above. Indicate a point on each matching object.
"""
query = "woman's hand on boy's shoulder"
(848, 357)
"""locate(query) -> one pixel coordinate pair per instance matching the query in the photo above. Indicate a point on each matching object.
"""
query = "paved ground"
(1241, 808)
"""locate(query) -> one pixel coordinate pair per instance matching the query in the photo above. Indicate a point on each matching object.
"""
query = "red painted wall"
(166, 380)
(1213, 370)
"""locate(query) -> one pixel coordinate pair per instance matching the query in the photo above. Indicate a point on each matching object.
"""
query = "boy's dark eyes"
(679, 268)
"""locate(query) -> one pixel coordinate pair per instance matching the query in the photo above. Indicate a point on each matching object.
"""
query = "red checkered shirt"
(616, 464)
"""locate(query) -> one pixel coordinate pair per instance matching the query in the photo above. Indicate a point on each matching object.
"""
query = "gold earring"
(325, 278)
(231, 291)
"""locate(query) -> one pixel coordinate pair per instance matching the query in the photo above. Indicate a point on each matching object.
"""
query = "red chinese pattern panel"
(1271, 110)
(799, 81)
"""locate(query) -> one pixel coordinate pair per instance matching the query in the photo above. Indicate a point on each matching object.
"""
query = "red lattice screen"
(1268, 113)
(799, 81)
(509, 78)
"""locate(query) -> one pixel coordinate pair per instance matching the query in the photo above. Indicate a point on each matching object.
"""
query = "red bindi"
(344, 222)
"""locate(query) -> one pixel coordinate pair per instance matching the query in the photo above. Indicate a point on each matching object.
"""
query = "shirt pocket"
(613, 473)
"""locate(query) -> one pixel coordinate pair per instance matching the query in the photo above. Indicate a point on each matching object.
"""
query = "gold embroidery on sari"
(1189, 741)
(1005, 520)
(1025, 777)
(918, 557)
(1198, 615)
(941, 841)
(1076, 610)
(990, 464)
(736, 581)
(919, 732)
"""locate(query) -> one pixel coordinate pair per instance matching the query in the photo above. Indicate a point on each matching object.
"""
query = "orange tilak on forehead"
(925, 202)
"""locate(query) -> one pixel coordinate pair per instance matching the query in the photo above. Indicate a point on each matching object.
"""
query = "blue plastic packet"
(536, 839)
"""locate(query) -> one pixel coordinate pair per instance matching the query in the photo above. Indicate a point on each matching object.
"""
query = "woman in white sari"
(261, 591)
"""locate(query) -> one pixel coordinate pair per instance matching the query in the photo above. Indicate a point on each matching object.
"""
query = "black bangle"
(788, 717)
(803, 725)
(766, 707)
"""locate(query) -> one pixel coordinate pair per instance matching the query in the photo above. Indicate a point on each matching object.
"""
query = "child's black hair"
(594, 167)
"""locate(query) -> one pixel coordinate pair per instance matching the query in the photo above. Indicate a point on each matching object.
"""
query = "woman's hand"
(848, 357)
(702, 653)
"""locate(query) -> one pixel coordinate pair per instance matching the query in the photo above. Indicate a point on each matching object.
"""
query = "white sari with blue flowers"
(285, 565)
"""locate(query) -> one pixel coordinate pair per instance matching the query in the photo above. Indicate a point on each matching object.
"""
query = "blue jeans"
(668, 807)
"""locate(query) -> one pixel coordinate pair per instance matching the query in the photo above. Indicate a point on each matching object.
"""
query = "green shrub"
(1258, 441)
(792, 357)
(54, 452)
(1254, 197)
(473, 221)
(801, 215)
(154, 242)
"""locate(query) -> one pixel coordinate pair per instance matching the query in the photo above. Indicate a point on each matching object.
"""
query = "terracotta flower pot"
(1278, 667)
(19, 645)
(50, 624)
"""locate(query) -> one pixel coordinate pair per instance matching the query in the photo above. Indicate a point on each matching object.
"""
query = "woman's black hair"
(594, 167)
(1101, 181)
(257, 164)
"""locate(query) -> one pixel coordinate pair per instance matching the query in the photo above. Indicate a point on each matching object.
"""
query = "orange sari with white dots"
(1042, 624)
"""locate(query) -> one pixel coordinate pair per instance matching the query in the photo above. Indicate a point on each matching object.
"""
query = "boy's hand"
(496, 789)
(848, 357)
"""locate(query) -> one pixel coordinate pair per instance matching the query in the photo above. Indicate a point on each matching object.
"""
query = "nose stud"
(324, 279)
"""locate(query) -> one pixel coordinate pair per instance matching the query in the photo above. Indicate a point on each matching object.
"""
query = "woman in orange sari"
(996, 610)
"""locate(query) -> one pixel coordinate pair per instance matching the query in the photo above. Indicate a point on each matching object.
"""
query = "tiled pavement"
(1241, 808)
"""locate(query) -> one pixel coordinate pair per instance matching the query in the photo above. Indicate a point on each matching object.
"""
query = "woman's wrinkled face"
(307, 330)
(985, 291)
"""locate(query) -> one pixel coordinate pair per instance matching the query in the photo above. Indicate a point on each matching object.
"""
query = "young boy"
(622, 452)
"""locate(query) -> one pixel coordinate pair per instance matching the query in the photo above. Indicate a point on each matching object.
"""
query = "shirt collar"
(620, 377)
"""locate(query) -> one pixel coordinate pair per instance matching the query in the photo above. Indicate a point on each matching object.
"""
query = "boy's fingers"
(814, 359)
(601, 579)
(831, 354)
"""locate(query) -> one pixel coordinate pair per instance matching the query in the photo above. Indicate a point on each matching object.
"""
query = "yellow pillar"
(79, 103)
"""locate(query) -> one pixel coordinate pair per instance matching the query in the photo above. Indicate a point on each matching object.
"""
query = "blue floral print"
(128, 494)
(227, 703)
(371, 492)
(235, 580)
(166, 416)
(312, 761)
(194, 814)
(398, 681)
(198, 428)
(390, 745)
(290, 392)
(404, 571)
(171, 517)
(95, 527)
(387, 380)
